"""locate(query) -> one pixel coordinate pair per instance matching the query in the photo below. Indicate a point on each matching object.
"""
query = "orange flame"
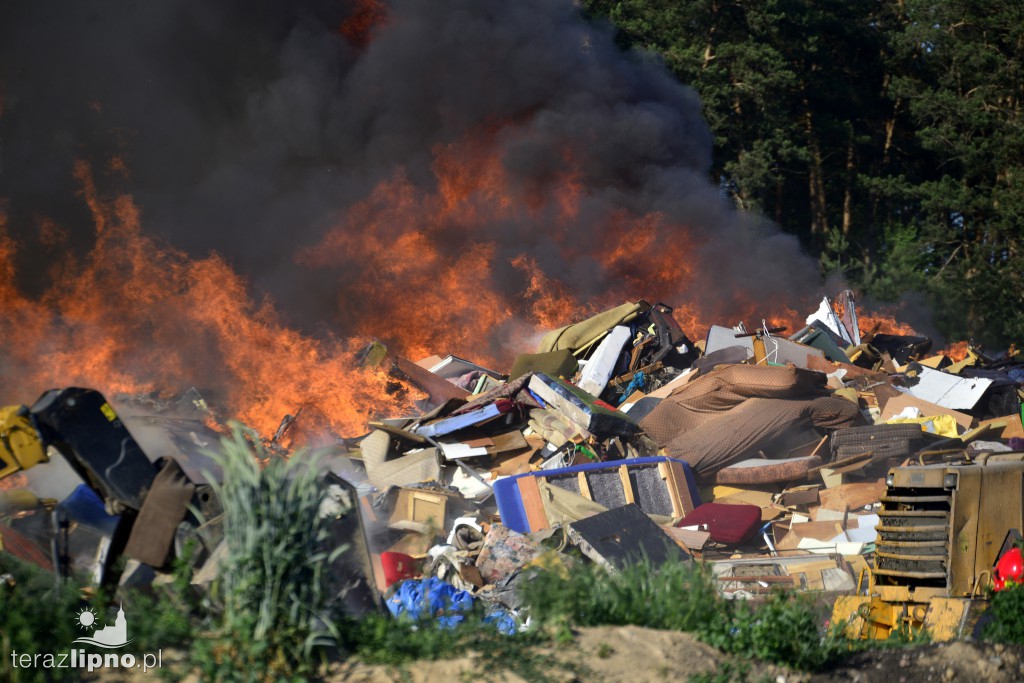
(415, 270)
(136, 317)
(423, 296)
(956, 351)
(882, 322)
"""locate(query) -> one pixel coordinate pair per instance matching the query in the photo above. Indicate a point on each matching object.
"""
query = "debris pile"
(774, 460)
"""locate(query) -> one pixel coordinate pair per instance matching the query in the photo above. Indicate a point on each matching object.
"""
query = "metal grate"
(914, 538)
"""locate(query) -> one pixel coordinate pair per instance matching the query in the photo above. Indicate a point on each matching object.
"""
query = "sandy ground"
(631, 654)
(612, 654)
(628, 654)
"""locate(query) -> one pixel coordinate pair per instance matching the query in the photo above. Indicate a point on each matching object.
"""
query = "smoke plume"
(361, 162)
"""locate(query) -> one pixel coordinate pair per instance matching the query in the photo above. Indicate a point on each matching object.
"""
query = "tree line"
(886, 134)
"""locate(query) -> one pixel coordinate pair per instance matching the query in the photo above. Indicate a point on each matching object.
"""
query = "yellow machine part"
(17, 500)
(20, 444)
(870, 618)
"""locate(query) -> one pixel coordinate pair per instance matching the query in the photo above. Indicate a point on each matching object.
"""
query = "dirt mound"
(935, 663)
(631, 654)
(605, 653)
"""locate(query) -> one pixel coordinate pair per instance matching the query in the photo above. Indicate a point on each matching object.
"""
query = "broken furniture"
(624, 536)
(659, 485)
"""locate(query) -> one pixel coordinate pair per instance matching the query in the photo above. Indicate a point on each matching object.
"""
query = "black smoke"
(250, 127)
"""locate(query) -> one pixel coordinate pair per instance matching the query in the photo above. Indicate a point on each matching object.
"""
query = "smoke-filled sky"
(259, 129)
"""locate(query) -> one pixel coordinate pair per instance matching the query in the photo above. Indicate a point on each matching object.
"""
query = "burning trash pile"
(835, 459)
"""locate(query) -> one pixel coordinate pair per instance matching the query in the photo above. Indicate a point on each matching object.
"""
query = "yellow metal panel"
(865, 617)
(944, 617)
(964, 536)
(895, 593)
(849, 611)
(20, 445)
(918, 477)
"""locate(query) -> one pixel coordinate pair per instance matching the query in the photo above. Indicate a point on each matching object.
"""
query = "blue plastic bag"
(430, 598)
(433, 599)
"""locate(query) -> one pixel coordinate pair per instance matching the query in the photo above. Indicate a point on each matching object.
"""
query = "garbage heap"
(760, 455)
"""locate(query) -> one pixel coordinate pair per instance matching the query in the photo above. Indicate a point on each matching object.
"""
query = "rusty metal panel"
(964, 538)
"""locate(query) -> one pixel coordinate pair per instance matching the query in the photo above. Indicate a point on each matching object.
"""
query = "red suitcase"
(728, 524)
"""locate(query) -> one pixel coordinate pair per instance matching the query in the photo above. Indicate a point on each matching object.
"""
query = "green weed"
(675, 596)
(726, 672)
(38, 616)
(173, 611)
(271, 624)
(682, 597)
(783, 629)
(1005, 615)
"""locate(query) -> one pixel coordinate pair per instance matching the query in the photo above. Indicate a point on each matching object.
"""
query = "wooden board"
(853, 496)
(896, 404)
(420, 507)
(1013, 427)
(532, 503)
(679, 492)
(686, 539)
(627, 484)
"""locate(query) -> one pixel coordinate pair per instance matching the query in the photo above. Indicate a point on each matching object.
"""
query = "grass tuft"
(271, 582)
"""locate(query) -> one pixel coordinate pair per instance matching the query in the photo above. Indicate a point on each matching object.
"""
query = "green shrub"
(682, 596)
(675, 596)
(38, 617)
(172, 610)
(783, 630)
(168, 622)
(1005, 615)
(381, 639)
(726, 672)
(271, 582)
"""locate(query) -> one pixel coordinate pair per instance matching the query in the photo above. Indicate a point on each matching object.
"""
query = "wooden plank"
(813, 581)
(1011, 426)
(756, 579)
(688, 540)
(814, 565)
(533, 504)
(819, 531)
(581, 477)
(678, 491)
(896, 404)
(378, 572)
(853, 496)
(853, 462)
(627, 485)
